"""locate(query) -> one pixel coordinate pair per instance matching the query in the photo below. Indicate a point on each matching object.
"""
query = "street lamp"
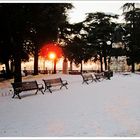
(52, 56)
(52, 51)
(100, 54)
(109, 43)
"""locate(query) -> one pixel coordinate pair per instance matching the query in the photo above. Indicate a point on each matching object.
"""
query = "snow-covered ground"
(110, 108)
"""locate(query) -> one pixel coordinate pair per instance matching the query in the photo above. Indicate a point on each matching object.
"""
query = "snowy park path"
(102, 109)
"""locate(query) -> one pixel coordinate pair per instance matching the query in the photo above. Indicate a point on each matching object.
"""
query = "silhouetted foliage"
(132, 35)
(76, 47)
(100, 31)
(27, 26)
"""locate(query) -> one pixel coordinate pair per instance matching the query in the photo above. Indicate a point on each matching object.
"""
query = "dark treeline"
(23, 30)
(25, 27)
(94, 38)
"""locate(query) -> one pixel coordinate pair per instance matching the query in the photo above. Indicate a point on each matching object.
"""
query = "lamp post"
(52, 51)
(100, 54)
(109, 43)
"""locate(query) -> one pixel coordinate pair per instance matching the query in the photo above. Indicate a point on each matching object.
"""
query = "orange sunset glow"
(51, 51)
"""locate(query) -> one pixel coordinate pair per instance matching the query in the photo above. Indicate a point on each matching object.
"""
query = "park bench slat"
(26, 86)
(49, 83)
(88, 78)
(99, 76)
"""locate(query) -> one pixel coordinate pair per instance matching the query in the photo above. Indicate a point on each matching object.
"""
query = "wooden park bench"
(99, 76)
(108, 74)
(49, 83)
(126, 73)
(26, 86)
(88, 78)
(74, 72)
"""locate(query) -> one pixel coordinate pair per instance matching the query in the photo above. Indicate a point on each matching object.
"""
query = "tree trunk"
(54, 70)
(104, 55)
(109, 63)
(12, 66)
(70, 65)
(81, 69)
(36, 61)
(105, 63)
(17, 72)
(17, 58)
(7, 69)
(133, 66)
(101, 62)
(133, 38)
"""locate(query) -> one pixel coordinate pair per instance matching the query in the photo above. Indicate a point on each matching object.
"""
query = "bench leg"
(39, 90)
(16, 93)
(45, 89)
(42, 91)
(98, 79)
(91, 80)
(63, 86)
(18, 96)
(36, 91)
(85, 82)
(66, 87)
(108, 77)
(13, 95)
(49, 90)
(94, 79)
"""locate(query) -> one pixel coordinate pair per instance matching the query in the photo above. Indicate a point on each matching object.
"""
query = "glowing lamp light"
(52, 55)
(51, 51)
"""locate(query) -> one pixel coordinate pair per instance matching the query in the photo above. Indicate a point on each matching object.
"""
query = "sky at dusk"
(77, 14)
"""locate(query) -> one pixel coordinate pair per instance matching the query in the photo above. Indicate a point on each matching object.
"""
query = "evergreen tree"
(35, 22)
(100, 31)
(132, 37)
